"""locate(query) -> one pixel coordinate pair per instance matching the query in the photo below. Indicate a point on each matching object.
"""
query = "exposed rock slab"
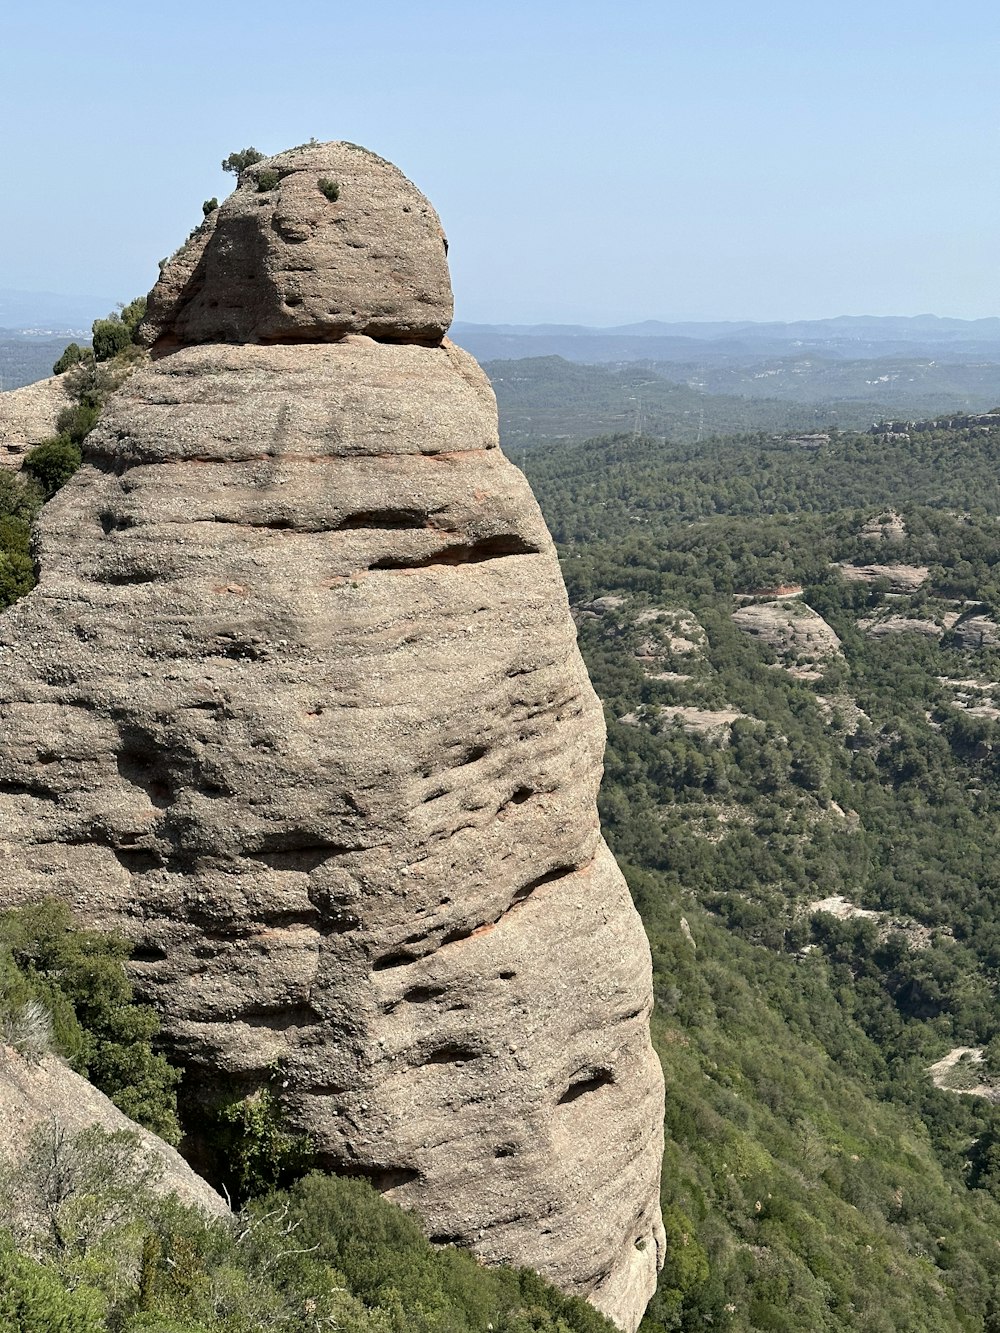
(888, 526)
(34, 1096)
(297, 705)
(878, 628)
(28, 416)
(714, 723)
(977, 632)
(898, 578)
(793, 630)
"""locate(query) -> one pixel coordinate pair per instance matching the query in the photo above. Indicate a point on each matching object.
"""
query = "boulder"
(316, 242)
(49, 1095)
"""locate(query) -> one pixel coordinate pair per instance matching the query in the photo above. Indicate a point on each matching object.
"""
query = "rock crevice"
(297, 705)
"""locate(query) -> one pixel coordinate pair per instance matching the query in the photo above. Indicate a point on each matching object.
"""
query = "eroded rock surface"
(801, 638)
(28, 416)
(319, 241)
(297, 705)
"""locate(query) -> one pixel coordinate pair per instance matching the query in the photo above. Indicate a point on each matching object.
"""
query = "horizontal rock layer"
(298, 706)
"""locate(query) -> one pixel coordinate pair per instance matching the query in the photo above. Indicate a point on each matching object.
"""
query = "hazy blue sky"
(591, 162)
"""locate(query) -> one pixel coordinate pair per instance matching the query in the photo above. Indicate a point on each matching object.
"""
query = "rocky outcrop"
(38, 1096)
(320, 241)
(28, 416)
(297, 705)
(977, 632)
(799, 636)
(897, 578)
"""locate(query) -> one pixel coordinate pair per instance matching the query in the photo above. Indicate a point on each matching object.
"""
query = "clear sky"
(592, 162)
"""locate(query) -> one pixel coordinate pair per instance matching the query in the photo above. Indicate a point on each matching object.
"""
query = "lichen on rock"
(297, 706)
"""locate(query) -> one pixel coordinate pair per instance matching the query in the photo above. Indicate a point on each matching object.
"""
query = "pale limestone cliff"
(297, 705)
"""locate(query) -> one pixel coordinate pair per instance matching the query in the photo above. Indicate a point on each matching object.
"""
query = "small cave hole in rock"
(592, 1081)
(505, 1150)
(137, 860)
(445, 1238)
(550, 877)
(453, 1053)
(142, 766)
(386, 1177)
(422, 994)
(471, 755)
(148, 953)
(507, 976)
(304, 857)
(521, 795)
(393, 960)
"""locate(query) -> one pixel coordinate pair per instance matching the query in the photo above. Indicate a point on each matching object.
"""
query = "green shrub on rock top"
(70, 357)
(237, 163)
(329, 188)
(110, 336)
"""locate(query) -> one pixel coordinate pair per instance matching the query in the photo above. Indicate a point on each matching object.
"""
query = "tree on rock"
(237, 163)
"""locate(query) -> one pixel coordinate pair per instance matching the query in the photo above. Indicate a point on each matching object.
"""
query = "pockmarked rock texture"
(317, 242)
(297, 705)
(28, 416)
(40, 1098)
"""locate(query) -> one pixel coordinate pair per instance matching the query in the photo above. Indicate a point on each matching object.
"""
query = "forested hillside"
(799, 653)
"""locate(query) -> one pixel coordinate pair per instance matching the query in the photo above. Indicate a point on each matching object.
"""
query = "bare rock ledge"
(297, 705)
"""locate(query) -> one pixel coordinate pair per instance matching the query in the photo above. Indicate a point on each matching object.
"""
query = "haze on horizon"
(591, 165)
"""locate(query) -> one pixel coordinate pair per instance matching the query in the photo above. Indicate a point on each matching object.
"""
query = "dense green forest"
(548, 398)
(751, 776)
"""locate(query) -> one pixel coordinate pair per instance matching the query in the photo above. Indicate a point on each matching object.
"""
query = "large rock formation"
(297, 705)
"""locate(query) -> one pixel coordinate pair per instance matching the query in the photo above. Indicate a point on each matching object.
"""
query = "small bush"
(329, 188)
(78, 975)
(29, 1030)
(131, 315)
(75, 423)
(110, 336)
(70, 357)
(209, 206)
(267, 180)
(256, 1151)
(53, 462)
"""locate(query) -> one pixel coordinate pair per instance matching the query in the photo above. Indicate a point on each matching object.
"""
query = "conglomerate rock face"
(297, 705)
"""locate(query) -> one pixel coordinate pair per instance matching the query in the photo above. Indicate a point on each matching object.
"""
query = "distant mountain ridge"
(852, 337)
(871, 327)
